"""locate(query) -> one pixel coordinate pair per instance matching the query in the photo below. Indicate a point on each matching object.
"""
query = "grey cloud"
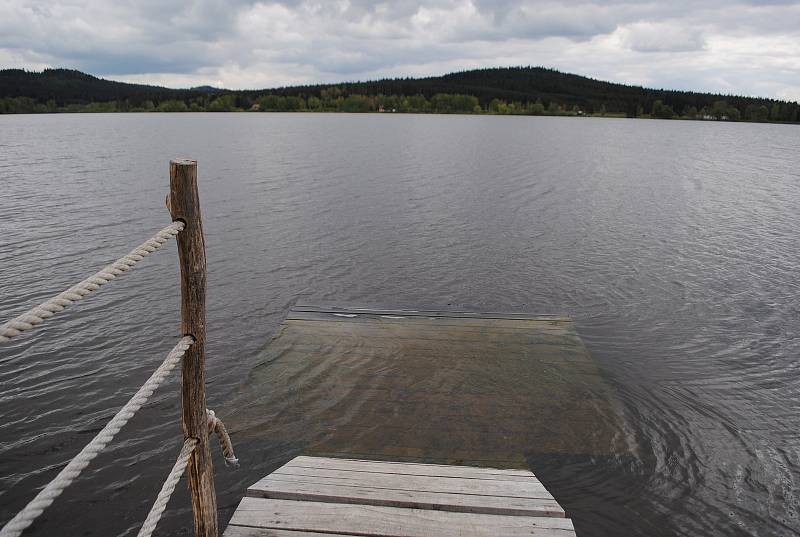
(243, 42)
(663, 37)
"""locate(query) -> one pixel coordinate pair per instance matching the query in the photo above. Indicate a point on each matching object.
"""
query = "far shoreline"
(608, 115)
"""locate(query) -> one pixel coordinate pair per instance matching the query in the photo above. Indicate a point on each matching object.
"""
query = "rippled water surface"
(673, 245)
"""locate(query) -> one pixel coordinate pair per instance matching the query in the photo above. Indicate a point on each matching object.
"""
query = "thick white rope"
(25, 518)
(58, 303)
(167, 489)
(215, 425)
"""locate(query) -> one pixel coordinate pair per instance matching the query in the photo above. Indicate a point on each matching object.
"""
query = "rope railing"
(198, 422)
(35, 507)
(60, 302)
(167, 489)
(215, 425)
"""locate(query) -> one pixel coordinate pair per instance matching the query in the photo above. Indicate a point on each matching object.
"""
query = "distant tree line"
(520, 90)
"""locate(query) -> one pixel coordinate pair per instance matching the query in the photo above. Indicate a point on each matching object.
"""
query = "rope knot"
(215, 425)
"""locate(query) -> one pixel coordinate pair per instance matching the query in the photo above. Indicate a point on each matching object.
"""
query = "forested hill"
(514, 90)
(66, 86)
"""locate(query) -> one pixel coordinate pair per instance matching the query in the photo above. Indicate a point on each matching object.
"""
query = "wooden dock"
(421, 423)
(319, 497)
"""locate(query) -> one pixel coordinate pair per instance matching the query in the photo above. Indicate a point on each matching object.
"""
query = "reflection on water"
(672, 245)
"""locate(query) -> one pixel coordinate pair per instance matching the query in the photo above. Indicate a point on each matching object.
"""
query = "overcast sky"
(742, 47)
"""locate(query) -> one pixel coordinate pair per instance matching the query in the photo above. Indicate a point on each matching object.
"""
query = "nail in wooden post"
(184, 204)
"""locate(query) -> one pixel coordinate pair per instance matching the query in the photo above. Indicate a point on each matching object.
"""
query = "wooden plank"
(417, 484)
(494, 337)
(313, 352)
(430, 313)
(470, 353)
(410, 468)
(376, 521)
(414, 468)
(520, 324)
(546, 328)
(327, 308)
(456, 457)
(484, 487)
(245, 531)
(458, 503)
(427, 332)
(423, 329)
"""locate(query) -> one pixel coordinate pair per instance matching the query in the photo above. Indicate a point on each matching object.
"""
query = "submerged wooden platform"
(318, 497)
(444, 387)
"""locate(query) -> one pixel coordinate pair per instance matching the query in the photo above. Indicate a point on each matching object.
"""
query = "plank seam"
(499, 478)
(541, 511)
(548, 497)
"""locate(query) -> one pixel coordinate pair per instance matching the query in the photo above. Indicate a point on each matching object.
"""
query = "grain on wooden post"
(184, 204)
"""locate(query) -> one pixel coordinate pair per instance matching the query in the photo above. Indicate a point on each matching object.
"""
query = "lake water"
(673, 245)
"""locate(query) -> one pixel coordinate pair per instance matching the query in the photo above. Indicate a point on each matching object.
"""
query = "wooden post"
(184, 204)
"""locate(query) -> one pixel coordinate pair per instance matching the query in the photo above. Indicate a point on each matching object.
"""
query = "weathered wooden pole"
(184, 205)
